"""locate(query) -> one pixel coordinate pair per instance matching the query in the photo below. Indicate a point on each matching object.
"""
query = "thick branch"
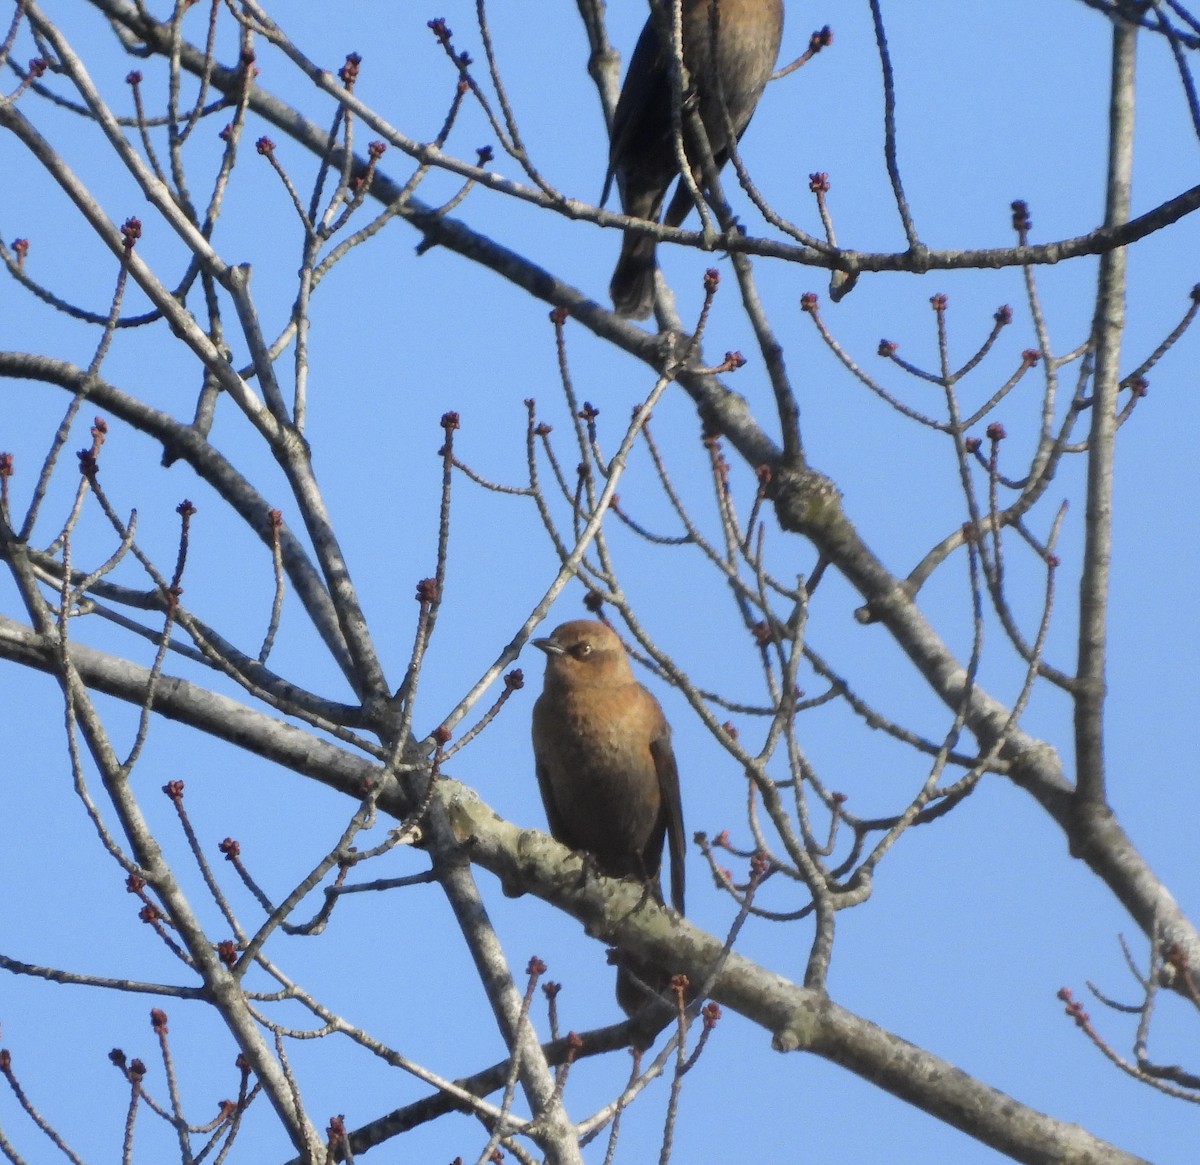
(1107, 331)
(183, 442)
(798, 1019)
(809, 504)
(615, 912)
(215, 715)
(157, 37)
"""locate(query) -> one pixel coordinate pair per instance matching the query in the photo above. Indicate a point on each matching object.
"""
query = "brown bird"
(642, 154)
(605, 767)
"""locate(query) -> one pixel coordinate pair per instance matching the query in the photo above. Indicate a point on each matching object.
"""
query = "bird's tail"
(640, 990)
(632, 286)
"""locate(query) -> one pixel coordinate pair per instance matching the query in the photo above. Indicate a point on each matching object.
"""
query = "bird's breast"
(595, 753)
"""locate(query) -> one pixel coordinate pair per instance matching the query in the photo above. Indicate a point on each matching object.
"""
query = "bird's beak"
(548, 646)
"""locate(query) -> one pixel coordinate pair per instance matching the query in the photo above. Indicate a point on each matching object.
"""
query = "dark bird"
(605, 766)
(642, 154)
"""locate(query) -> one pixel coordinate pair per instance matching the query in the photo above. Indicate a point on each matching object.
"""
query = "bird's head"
(584, 652)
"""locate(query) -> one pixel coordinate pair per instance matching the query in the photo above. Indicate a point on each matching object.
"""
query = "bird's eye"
(582, 650)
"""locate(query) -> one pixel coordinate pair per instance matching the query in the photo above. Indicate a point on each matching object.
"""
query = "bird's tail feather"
(632, 286)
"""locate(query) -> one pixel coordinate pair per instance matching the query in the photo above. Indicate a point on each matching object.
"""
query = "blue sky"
(976, 921)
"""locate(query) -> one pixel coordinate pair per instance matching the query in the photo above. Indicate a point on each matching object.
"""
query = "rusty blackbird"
(605, 767)
(642, 154)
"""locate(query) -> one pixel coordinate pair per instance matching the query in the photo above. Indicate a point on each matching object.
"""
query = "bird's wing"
(545, 787)
(672, 808)
(646, 87)
(553, 817)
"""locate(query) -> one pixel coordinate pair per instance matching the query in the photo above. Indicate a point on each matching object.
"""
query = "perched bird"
(605, 767)
(642, 155)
